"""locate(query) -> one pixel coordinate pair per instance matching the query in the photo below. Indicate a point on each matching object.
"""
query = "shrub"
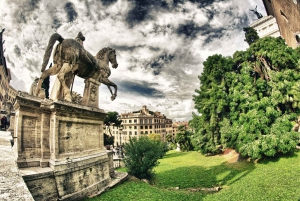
(142, 156)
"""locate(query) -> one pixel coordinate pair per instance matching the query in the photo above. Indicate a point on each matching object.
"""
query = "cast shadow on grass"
(279, 156)
(224, 174)
(175, 154)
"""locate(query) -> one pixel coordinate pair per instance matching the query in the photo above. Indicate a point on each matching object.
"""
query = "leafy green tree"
(108, 140)
(261, 101)
(142, 156)
(183, 138)
(154, 136)
(250, 35)
(112, 119)
(211, 102)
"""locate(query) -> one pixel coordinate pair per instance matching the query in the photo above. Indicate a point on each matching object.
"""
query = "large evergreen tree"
(252, 105)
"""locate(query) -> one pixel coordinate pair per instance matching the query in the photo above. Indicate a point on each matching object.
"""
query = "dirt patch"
(231, 155)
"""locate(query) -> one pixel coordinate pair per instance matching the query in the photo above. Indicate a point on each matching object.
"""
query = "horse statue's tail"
(55, 37)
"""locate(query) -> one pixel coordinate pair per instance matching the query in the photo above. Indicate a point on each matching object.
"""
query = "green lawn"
(269, 179)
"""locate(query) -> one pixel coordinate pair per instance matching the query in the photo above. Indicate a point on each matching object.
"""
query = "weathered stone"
(66, 140)
(70, 59)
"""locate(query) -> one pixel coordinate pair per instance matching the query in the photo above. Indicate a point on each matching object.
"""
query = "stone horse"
(105, 56)
(70, 57)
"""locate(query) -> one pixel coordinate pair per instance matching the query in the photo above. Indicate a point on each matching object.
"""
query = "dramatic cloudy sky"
(160, 44)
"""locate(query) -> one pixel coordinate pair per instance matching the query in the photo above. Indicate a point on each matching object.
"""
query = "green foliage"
(142, 155)
(183, 138)
(154, 136)
(108, 140)
(250, 35)
(249, 102)
(112, 119)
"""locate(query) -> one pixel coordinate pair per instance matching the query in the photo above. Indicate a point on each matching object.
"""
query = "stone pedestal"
(66, 137)
(91, 93)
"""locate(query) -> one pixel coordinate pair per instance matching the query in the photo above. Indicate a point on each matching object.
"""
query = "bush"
(142, 156)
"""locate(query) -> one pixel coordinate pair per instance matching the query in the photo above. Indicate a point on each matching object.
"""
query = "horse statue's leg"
(51, 71)
(66, 68)
(109, 84)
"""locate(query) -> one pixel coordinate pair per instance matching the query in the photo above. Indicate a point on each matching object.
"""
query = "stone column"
(91, 93)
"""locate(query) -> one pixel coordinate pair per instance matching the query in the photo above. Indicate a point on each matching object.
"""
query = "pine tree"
(249, 102)
(250, 35)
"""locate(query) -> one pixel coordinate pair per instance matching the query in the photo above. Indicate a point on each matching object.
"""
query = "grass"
(269, 179)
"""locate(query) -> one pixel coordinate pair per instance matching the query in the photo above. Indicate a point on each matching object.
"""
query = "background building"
(287, 14)
(266, 26)
(7, 93)
(141, 122)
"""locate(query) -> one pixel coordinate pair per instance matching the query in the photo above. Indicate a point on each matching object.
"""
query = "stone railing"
(117, 162)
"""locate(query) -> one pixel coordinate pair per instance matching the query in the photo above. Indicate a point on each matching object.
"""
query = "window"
(141, 127)
(145, 121)
(150, 132)
(141, 132)
(135, 121)
(146, 132)
(134, 127)
(150, 127)
(130, 121)
(141, 121)
(150, 121)
(135, 132)
(284, 16)
(130, 133)
(146, 127)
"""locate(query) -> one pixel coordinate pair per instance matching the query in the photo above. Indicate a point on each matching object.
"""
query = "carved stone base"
(67, 137)
(91, 93)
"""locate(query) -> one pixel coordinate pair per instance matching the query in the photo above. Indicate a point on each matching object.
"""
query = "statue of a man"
(80, 38)
(256, 13)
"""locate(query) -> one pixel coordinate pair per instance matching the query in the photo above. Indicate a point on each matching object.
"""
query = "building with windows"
(141, 122)
(7, 92)
(287, 14)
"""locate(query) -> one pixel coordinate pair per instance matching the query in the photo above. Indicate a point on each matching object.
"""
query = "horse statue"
(70, 58)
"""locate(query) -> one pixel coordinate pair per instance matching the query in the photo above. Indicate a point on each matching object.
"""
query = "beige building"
(266, 26)
(177, 124)
(287, 14)
(7, 93)
(141, 122)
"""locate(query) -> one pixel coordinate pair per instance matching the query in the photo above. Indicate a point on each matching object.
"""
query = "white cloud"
(30, 28)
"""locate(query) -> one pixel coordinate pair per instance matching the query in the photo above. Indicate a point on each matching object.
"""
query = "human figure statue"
(80, 38)
(33, 86)
(256, 13)
(57, 93)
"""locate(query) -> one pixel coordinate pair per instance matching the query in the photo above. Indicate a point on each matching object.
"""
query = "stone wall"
(287, 14)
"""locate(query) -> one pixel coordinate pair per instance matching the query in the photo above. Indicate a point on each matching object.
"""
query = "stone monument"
(58, 144)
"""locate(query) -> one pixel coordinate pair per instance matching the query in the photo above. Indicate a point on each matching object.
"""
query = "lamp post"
(120, 151)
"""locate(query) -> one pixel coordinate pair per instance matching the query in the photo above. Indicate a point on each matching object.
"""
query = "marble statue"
(69, 59)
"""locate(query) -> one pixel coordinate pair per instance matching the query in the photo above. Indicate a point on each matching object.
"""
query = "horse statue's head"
(108, 54)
